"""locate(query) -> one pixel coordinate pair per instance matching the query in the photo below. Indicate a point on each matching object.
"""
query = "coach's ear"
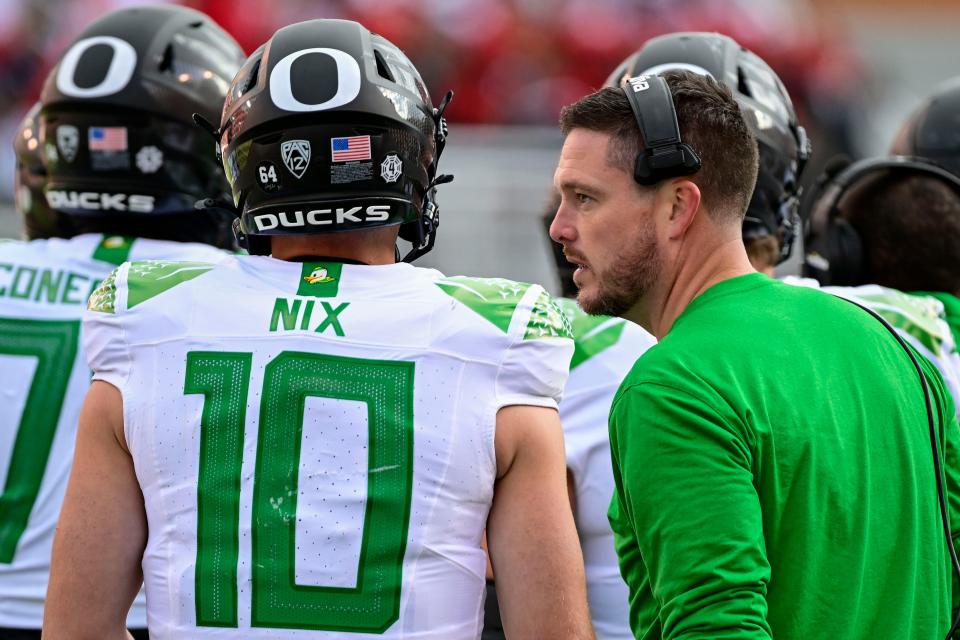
(680, 197)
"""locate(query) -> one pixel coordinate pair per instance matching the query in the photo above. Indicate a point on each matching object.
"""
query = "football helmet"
(330, 128)
(933, 130)
(767, 109)
(120, 149)
(30, 177)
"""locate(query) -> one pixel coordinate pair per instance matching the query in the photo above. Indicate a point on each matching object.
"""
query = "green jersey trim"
(547, 320)
(114, 249)
(951, 307)
(149, 278)
(104, 298)
(494, 299)
(320, 279)
(916, 316)
(592, 335)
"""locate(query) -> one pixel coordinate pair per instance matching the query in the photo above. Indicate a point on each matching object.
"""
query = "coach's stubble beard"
(632, 274)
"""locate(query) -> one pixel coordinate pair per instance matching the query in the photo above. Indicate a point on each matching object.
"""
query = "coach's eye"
(583, 198)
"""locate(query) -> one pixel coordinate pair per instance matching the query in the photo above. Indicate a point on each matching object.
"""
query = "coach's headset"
(833, 248)
(665, 155)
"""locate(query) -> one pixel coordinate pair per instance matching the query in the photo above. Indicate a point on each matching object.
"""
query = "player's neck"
(372, 247)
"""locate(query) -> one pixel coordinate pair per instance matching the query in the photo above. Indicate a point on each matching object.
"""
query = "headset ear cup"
(845, 254)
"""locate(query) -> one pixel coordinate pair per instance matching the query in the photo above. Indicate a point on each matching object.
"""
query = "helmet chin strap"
(429, 220)
(214, 132)
(429, 211)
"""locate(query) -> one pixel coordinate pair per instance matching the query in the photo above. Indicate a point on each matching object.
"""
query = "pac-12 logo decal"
(296, 156)
(68, 139)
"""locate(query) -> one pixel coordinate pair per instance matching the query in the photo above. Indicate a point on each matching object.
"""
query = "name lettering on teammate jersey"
(96, 201)
(297, 314)
(20, 282)
(320, 217)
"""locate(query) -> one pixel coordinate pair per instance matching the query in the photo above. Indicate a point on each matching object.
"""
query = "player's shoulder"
(11, 246)
(598, 335)
(921, 317)
(147, 249)
(49, 250)
(140, 282)
(515, 309)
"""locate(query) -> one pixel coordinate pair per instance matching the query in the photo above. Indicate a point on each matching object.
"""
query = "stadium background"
(855, 68)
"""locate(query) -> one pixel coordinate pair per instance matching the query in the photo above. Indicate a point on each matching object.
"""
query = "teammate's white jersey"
(44, 285)
(606, 349)
(315, 442)
(920, 320)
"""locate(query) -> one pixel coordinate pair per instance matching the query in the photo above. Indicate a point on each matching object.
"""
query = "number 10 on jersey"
(289, 379)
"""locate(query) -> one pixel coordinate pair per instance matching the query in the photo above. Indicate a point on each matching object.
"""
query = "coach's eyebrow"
(572, 184)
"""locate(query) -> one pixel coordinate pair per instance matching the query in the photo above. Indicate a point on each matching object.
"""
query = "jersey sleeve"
(103, 337)
(534, 368)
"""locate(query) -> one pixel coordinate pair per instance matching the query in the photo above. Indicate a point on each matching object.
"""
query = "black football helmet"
(40, 221)
(120, 149)
(767, 109)
(328, 128)
(933, 130)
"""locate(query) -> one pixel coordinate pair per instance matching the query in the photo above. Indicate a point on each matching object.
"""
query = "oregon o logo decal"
(122, 65)
(348, 81)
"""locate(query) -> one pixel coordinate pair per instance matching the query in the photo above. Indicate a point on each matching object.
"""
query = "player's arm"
(686, 491)
(532, 538)
(95, 571)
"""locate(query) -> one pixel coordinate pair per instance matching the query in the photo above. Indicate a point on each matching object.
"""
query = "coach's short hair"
(710, 121)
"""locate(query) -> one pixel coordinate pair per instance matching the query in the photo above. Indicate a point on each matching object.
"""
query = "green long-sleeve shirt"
(774, 475)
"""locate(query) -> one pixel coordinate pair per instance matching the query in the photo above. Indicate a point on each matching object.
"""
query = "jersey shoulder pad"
(921, 317)
(133, 283)
(505, 303)
(592, 335)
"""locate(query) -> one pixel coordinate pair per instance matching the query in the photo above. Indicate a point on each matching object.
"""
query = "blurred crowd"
(509, 61)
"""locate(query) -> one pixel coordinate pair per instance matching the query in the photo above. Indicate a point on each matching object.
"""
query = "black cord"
(937, 464)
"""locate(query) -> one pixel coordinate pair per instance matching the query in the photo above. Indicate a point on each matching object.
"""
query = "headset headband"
(834, 189)
(664, 155)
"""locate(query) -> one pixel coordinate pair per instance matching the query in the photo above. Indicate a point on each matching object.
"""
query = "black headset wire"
(937, 463)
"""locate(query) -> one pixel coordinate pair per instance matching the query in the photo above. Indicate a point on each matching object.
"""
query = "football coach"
(783, 465)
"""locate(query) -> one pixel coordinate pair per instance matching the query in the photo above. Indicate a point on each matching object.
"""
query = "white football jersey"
(315, 441)
(920, 320)
(44, 286)
(605, 350)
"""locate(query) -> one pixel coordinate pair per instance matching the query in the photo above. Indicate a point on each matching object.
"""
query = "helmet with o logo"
(120, 149)
(767, 110)
(329, 128)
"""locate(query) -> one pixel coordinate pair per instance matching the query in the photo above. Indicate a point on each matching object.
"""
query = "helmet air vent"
(252, 79)
(742, 85)
(382, 67)
(166, 62)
